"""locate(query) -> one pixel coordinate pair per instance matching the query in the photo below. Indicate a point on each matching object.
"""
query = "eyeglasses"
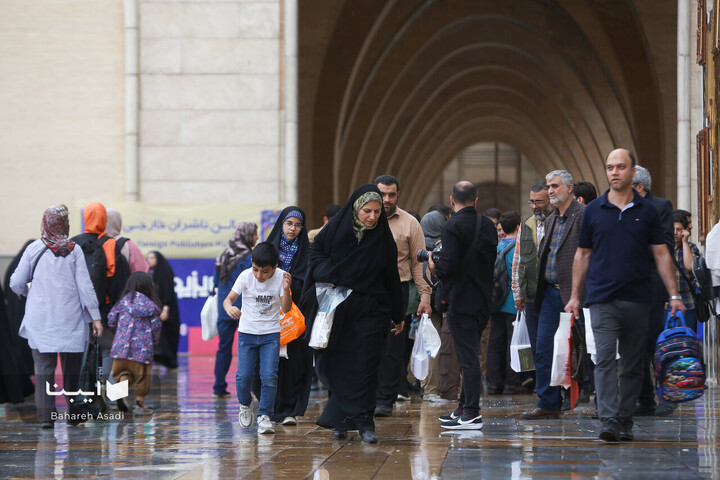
(293, 225)
(536, 202)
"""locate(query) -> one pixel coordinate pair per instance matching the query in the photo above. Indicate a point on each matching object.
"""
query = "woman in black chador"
(164, 279)
(289, 236)
(355, 250)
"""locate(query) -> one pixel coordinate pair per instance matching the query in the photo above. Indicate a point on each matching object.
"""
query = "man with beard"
(409, 238)
(620, 235)
(555, 260)
(524, 266)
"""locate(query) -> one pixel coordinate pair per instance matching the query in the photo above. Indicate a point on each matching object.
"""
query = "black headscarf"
(298, 266)
(368, 265)
(164, 278)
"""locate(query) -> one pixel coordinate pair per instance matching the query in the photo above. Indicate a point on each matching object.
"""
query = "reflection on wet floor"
(191, 436)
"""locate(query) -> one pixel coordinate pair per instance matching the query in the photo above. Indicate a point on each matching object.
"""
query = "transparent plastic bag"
(328, 298)
(561, 373)
(430, 336)
(420, 361)
(521, 358)
(209, 318)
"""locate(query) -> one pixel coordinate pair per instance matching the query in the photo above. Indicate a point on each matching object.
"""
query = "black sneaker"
(457, 413)
(465, 422)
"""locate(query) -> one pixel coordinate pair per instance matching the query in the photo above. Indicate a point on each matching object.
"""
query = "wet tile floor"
(191, 436)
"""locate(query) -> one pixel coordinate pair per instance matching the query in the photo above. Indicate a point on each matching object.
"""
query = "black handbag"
(90, 374)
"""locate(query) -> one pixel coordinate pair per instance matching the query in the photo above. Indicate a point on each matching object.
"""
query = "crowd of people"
(67, 296)
(575, 250)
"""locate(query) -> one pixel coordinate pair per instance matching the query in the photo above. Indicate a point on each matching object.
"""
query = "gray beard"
(541, 217)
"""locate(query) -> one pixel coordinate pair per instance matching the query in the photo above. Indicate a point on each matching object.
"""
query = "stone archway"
(401, 87)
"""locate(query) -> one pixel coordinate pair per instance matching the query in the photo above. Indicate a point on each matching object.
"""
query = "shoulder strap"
(37, 260)
(677, 265)
(505, 250)
(120, 243)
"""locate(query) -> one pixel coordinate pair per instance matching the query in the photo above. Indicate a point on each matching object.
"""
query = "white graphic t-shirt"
(261, 309)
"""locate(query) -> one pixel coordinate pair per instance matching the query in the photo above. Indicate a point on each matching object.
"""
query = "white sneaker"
(265, 425)
(246, 417)
(403, 398)
(289, 421)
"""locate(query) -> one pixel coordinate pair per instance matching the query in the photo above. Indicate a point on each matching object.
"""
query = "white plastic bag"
(590, 338)
(521, 357)
(420, 361)
(328, 298)
(209, 318)
(561, 374)
(430, 336)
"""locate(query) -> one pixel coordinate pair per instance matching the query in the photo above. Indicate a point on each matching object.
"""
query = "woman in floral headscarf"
(61, 302)
(356, 250)
(228, 266)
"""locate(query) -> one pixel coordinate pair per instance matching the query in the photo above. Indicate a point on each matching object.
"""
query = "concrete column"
(131, 100)
(683, 110)
(291, 99)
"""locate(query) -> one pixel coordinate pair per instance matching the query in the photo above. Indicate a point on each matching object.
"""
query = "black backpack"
(116, 283)
(92, 248)
(501, 279)
(704, 293)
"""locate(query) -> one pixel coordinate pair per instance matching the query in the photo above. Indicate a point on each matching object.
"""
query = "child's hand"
(287, 278)
(234, 312)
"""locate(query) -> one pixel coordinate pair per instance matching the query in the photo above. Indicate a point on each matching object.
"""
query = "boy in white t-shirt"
(265, 290)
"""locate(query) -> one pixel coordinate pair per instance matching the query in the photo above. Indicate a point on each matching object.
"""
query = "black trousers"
(466, 331)
(392, 373)
(498, 354)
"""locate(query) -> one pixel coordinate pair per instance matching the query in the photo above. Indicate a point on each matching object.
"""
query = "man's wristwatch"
(676, 297)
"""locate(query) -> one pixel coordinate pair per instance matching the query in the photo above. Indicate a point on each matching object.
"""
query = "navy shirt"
(621, 259)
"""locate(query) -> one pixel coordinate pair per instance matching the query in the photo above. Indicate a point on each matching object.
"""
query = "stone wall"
(210, 117)
(61, 110)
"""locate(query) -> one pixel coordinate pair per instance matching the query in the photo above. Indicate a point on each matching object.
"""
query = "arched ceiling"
(402, 86)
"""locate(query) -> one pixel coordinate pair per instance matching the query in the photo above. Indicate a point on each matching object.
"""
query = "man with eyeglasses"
(409, 238)
(524, 266)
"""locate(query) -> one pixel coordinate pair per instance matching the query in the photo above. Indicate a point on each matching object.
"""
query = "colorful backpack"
(678, 360)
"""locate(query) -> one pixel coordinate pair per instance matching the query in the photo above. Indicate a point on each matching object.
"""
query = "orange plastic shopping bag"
(293, 325)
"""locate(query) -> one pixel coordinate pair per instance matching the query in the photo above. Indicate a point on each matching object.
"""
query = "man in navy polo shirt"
(614, 262)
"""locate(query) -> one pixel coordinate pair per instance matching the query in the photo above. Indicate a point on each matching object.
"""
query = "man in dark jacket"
(524, 271)
(466, 273)
(642, 182)
(555, 261)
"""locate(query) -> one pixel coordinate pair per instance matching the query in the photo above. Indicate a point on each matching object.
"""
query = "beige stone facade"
(61, 109)
(206, 122)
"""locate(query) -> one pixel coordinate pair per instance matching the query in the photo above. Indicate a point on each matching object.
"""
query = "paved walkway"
(190, 436)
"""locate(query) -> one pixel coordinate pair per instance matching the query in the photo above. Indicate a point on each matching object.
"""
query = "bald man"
(620, 235)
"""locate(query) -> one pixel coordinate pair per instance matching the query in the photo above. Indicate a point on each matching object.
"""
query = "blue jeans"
(223, 357)
(548, 321)
(250, 349)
